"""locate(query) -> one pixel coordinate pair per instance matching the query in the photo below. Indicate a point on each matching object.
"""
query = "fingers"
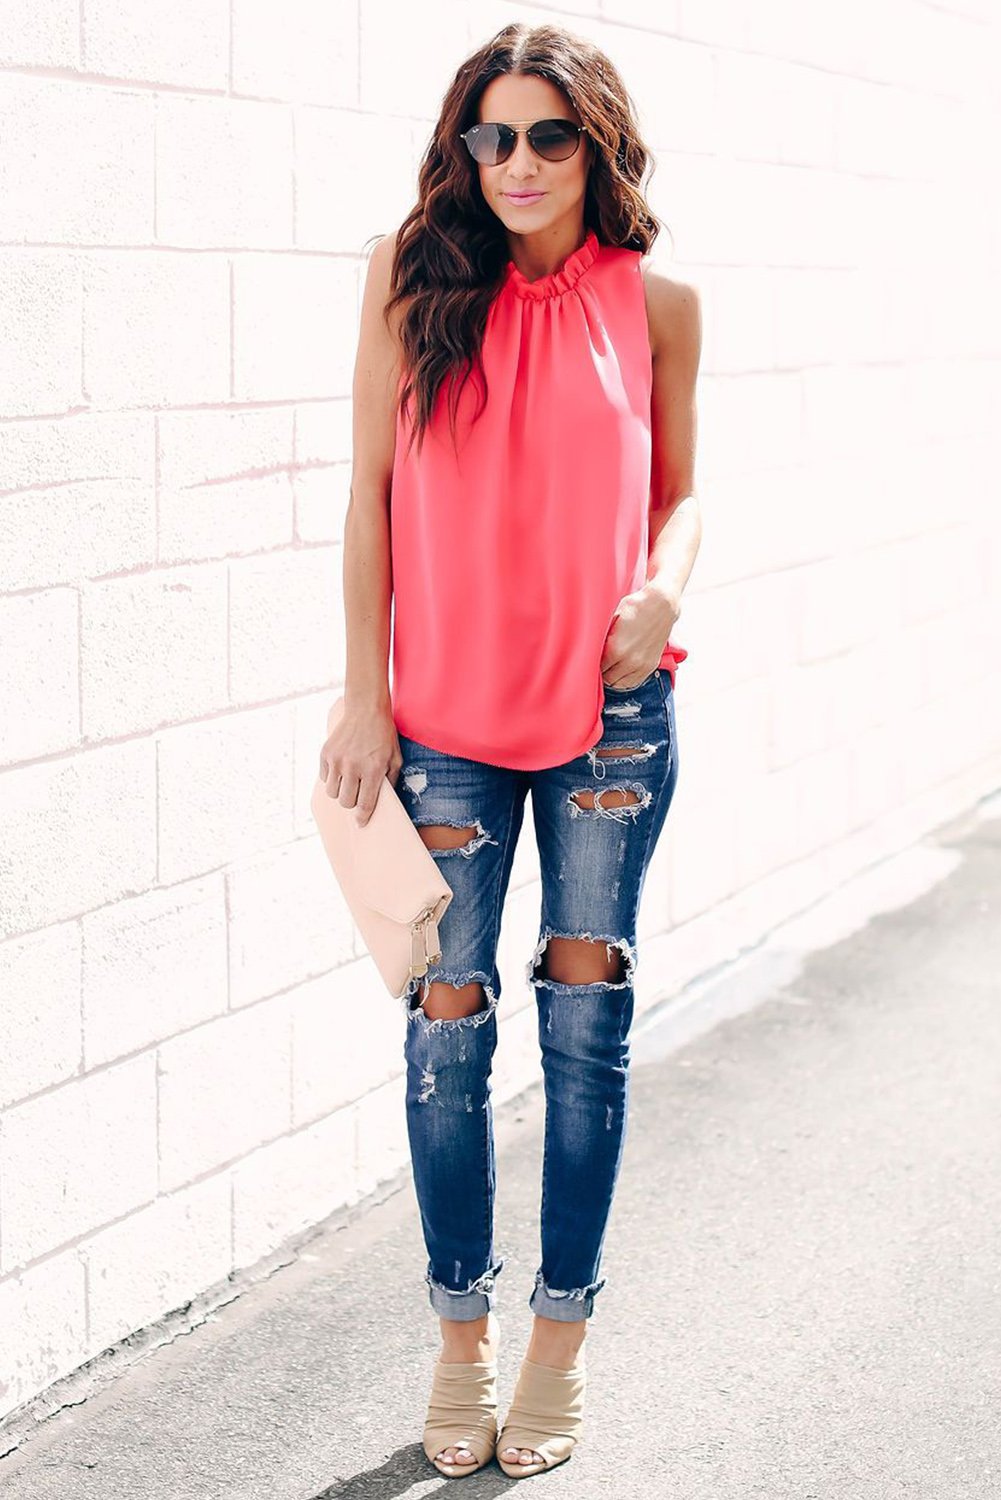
(363, 812)
(357, 789)
(350, 785)
(351, 791)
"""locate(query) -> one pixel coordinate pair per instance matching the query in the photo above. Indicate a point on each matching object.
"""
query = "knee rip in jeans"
(470, 1009)
(414, 1008)
(538, 969)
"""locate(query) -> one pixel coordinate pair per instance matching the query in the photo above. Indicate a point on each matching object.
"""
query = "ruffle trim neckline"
(559, 281)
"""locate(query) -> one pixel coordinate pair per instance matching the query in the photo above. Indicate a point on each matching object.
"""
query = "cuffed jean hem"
(565, 1307)
(468, 1305)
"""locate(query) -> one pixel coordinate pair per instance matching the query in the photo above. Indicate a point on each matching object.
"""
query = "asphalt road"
(803, 1260)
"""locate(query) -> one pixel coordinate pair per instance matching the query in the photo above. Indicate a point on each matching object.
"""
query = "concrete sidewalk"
(803, 1261)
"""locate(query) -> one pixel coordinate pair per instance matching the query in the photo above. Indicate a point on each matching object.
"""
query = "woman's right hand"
(362, 748)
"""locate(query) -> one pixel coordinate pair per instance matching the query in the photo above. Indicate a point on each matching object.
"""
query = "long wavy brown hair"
(451, 251)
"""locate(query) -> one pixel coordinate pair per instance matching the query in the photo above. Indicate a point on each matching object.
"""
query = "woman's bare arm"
(364, 747)
(367, 567)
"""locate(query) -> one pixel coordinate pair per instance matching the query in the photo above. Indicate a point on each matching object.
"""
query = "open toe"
(462, 1413)
(546, 1418)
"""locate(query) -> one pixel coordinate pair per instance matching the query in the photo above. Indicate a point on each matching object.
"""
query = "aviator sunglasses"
(492, 143)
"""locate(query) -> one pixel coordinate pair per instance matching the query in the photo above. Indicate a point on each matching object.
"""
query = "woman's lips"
(524, 197)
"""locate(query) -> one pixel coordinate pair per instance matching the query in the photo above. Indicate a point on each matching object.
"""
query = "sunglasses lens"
(554, 139)
(491, 144)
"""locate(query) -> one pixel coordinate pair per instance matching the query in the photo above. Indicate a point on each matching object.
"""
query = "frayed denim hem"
(464, 1306)
(565, 1307)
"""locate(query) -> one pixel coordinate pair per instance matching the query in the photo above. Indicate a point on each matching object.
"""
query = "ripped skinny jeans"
(597, 818)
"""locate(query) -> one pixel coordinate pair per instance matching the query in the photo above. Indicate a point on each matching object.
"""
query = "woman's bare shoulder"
(673, 304)
(379, 259)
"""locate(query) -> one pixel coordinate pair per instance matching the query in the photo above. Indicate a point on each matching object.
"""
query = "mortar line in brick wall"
(81, 77)
(81, 946)
(84, 1074)
(357, 1138)
(77, 1240)
(229, 631)
(148, 247)
(97, 1372)
(82, 289)
(158, 890)
(112, 81)
(358, 34)
(67, 414)
(291, 1069)
(263, 471)
(294, 469)
(228, 914)
(295, 185)
(86, 1294)
(770, 56)
(155, 135)
(158, 1143)
(79, 663)
(156, 484)
(293, 805)
(230, 711)
(172, 564)
(231, 309)
(156, 814)
(222, 1169)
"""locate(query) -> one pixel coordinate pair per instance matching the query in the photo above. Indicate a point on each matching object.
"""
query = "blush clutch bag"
(388, 877)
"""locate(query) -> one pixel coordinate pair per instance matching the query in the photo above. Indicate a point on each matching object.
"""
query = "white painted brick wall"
(197, 1058)
(79, 1155)
(224, 1088)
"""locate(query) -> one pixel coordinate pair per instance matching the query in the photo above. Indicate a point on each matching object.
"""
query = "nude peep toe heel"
(462, 1413)
(547, 1415)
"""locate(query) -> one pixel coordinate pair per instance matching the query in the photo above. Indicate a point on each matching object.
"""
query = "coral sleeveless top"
(511, 555)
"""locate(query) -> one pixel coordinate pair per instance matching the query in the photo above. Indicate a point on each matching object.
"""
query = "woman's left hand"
(636, 639)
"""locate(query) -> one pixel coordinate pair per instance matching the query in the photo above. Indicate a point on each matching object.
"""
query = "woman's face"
(521, 101)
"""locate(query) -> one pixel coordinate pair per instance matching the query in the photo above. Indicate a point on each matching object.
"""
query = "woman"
(535, 546)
